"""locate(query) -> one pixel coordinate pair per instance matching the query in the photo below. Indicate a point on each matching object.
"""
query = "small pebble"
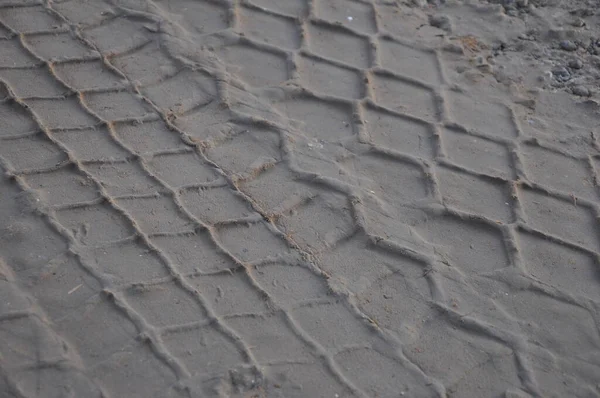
(498, 48)
(512, 12)
(482, 64)
(441, 21)
(568, 45)
(561, 74)
(581, 91)
(546, 76)
(578, 23)
(575, 63)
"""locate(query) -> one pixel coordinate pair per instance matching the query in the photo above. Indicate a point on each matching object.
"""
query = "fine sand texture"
(295, 198)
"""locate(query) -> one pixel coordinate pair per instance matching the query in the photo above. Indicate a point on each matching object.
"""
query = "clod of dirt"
(578, 23)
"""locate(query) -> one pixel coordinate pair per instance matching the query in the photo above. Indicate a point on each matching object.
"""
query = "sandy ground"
(299, 198)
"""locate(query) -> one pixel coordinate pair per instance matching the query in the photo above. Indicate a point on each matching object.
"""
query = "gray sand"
(299, 198)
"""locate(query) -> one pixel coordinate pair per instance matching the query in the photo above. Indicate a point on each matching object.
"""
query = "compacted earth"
(299, 198)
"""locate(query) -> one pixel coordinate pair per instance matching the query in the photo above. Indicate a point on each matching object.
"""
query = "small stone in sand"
(440, 21)
(581, 91)
(561, 74)
(545, 77)
(568, 45)
(575, 63)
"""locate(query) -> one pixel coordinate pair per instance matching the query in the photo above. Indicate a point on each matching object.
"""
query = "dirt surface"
(299, 198)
